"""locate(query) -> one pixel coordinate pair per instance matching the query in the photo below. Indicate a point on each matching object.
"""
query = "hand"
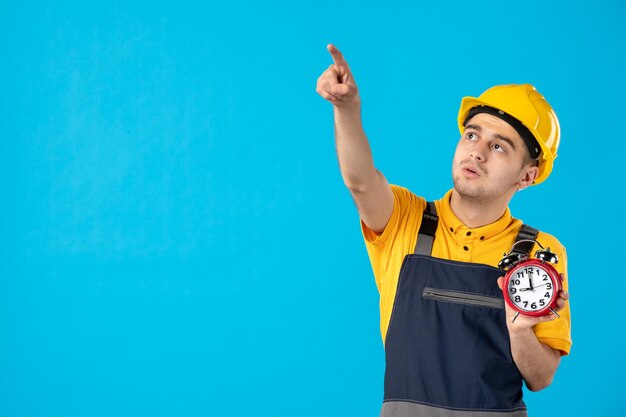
(336, 84)
(523, 322)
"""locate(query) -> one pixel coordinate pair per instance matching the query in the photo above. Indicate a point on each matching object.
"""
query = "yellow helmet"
(524, 103)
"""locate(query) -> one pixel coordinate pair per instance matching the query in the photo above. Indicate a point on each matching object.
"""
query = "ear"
(528, 176)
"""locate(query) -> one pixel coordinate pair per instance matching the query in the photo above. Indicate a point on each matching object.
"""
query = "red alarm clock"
(531, 285)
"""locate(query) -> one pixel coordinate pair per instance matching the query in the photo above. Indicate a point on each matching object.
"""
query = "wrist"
(517, 330)
(352, 108)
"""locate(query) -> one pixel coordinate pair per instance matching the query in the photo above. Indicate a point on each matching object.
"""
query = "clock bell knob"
(508, 261)
(547, 256)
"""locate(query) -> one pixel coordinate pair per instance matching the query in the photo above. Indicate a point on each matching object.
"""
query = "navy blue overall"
(447, 347)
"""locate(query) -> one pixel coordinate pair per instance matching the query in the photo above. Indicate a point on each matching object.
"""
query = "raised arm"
(369, 188)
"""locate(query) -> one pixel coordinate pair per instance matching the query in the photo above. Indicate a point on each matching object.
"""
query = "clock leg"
(515, 316)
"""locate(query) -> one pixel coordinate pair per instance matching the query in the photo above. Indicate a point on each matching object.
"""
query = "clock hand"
(532, 288)
(542, 285)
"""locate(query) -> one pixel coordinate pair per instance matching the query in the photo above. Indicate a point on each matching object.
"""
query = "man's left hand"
(526, 322)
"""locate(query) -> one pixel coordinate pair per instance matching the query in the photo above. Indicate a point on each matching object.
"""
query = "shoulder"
(403, 194)
(405, 217)
(406, 202)
(548, 240)
(545, 239)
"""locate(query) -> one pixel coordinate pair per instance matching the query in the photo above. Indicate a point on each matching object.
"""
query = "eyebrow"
(497, 135)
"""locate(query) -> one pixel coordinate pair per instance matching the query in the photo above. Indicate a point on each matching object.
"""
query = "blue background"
(176, 236)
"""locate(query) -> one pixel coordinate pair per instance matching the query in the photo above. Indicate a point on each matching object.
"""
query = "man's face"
(489, 162)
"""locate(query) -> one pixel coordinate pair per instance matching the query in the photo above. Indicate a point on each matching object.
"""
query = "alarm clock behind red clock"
(531, 285)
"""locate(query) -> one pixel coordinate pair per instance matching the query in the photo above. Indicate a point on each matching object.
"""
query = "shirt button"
(451, 229)
(468, 233)
(465, 247)
(482, 238)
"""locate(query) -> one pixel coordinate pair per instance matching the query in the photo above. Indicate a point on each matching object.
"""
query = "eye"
(498, 148)
(471, 136)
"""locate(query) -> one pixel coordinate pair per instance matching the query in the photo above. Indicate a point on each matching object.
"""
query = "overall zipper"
(459, 297)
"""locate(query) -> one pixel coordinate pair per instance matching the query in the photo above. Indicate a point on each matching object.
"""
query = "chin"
(472, 192)
(478, 194)
(466, 188)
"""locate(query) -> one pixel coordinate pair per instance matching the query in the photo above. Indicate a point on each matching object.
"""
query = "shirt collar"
(455, 226)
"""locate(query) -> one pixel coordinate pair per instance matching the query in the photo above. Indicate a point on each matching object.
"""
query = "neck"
(477, 212)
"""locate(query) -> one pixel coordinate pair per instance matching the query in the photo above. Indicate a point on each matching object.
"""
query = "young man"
(456, 356)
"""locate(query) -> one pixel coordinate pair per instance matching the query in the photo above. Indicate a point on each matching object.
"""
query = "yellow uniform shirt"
(457, 242)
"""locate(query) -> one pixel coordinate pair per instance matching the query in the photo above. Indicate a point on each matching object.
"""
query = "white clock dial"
(530, 288)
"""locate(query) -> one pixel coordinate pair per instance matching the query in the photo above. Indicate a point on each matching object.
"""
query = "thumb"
(500, 282)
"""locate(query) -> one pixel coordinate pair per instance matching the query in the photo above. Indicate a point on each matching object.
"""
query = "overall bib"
(447, 346)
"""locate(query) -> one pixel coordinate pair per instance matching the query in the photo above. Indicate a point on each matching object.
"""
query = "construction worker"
(466, 355)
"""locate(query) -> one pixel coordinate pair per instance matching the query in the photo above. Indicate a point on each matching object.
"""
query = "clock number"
(531, 302)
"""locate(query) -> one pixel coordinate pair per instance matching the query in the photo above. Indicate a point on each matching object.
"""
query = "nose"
(478, 153)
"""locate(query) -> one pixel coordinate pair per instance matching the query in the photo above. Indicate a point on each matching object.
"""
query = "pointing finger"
(336, 54)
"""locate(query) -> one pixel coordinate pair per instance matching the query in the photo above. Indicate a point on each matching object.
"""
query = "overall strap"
(524, 248)
(430, 219)
(426, 235)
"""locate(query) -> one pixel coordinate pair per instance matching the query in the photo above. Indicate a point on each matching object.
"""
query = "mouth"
(471, 171)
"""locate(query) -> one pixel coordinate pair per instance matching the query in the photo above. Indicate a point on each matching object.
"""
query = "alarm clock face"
(531, 288)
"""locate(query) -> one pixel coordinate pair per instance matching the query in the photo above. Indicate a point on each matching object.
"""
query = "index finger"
(338, 58)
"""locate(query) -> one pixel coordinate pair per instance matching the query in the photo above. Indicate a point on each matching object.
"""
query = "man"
(465, 355)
